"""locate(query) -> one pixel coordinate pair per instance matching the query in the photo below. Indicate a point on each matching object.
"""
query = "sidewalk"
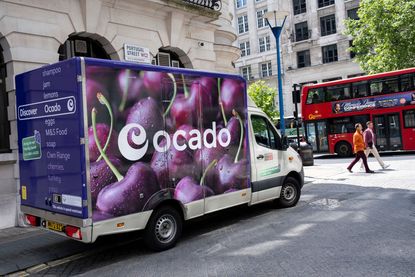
(22, 248)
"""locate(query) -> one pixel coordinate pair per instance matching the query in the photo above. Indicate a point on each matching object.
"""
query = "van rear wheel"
(163, 229)
(290, 193)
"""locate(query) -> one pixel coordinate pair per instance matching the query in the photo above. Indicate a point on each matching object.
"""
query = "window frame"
(299, 6)
(249, 72)
(265, 45)
(325, 3)
(352, 13)
(326, 58)
(268, 69)
(246, 51)
(404, 114)
(243, 24)
(243, 4)
(307, 58)
(269, 129)
(301, 31)
(260, 18)
(328, 25)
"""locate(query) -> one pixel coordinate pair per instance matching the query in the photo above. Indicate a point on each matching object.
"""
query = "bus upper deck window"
(315, 96)
(360, 89)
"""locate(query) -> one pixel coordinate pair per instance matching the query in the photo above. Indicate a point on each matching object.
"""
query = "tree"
(264, 96)
(384, 35)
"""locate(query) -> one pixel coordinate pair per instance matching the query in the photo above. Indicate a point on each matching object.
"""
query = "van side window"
(265, 134)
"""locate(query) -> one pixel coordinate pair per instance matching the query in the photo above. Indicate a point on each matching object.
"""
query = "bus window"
(335, 93)
(408, 82)
(360, 89)
(362, 119)
(390, 85)
(341, 125)
(375, 87)
(315, 95)
(409, 119)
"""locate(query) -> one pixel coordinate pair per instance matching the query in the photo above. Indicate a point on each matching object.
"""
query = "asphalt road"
(344, 225)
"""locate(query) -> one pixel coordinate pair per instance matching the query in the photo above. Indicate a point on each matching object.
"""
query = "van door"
(266, 160)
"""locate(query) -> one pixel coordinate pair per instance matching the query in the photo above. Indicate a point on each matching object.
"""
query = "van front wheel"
(163, 229)
(290, 193)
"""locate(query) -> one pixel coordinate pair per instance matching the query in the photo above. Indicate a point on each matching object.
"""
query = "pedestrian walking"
(359, 147)
(370, 143)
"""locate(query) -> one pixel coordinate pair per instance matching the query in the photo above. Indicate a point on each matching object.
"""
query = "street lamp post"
(278, 17)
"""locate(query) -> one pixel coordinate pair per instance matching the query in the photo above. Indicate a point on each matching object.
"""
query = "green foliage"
(384, 36)
(264, 96)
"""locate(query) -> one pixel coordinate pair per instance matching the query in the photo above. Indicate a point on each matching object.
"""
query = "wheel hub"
(165, 228)
(288, 193)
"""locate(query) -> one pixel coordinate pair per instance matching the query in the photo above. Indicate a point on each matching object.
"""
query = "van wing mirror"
(284, 143)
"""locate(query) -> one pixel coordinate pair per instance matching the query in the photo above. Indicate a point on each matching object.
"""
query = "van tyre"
(163, 229)
(344, 149)
(290, 193)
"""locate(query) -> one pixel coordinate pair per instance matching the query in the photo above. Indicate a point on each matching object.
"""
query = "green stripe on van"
(269, 171)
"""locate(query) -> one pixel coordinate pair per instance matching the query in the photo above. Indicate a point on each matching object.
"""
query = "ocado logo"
(135, 133)
(129, 152)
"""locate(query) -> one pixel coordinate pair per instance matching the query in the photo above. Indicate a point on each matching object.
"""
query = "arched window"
(4, 102)
(76, 46)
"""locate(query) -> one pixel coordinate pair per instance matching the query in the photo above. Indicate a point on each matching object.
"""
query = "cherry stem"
(125, 92)
(186, 91)
(105, 102)
(107, 160)
(221, 105)
(235, 113)
(212, 164)
(174, 94)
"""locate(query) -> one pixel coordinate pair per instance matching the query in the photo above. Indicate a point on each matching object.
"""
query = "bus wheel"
(290, 193)
(344, 149)
(163, 229)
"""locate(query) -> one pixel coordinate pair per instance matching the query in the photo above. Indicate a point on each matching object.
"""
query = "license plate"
(55, 226)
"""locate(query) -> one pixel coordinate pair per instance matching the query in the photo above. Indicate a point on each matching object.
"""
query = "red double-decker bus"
(330, 111)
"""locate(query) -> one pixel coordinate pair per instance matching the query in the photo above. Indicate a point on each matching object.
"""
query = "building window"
(240, 3)
(331, 79)
(355, 75)
(266, 69)
(328, 25)
(245, 48)
(243, 24)
(303, 59)
(299, 6)
(260, 18)
(82, 47)
(352, 14)
(264, 44)
(323, 3)
(301, 31)
(330, 53)
(4, 121)
(246, 72)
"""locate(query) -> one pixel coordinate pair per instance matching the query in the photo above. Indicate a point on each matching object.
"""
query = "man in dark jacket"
(370, 139)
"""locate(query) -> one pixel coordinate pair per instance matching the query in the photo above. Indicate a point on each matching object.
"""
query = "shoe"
(370, 171)
(350, 170)
(386, 166)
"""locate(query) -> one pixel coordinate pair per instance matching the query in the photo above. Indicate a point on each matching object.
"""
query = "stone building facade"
(314, 48)
(38, 32)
